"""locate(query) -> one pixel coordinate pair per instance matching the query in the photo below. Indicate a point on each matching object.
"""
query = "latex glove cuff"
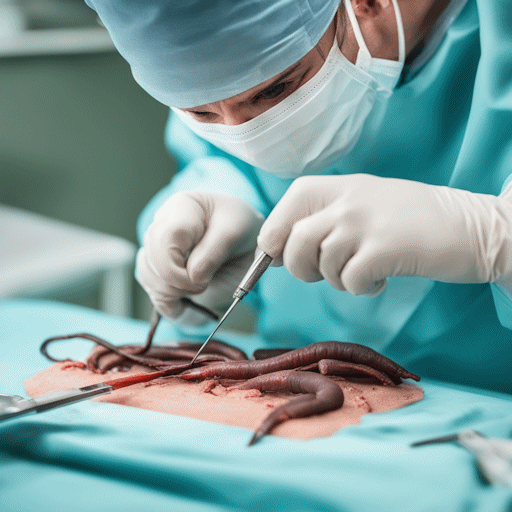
(502, 235)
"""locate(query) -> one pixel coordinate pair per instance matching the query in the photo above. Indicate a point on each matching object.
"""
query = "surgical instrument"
(12, 406)
(493, 455)
(259, 265)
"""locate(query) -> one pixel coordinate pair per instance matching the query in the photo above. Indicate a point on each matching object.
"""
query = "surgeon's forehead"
(300, 66)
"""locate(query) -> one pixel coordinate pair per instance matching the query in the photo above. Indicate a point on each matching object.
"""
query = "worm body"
(319, 394)
(286, 370)
(107, 356)
(304, 356)
(335, 367)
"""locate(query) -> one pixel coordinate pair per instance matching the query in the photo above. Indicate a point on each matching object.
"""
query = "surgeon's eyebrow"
(281, 77)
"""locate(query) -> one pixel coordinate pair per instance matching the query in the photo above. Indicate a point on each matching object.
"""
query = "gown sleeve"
(486, 153)
(202, 166)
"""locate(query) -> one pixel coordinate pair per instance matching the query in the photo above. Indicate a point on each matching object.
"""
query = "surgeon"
(366, 145)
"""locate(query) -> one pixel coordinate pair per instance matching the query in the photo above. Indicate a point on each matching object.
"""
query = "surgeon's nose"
(236, 116)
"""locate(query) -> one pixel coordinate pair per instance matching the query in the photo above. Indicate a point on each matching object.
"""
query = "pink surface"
(211, 401)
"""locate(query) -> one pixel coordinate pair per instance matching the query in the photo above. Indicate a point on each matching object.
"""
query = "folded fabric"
(114, 457)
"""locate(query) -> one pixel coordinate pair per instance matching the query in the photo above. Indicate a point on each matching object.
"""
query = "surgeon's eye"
(202, 116)
(199, 113)
(273, 92)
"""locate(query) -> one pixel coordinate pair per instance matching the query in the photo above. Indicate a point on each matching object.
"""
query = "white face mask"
(318, 123)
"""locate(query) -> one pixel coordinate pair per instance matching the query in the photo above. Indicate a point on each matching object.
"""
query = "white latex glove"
(357, 230)
(200, 244)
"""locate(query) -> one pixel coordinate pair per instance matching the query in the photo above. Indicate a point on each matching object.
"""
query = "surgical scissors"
(493, 455)
(12, 406)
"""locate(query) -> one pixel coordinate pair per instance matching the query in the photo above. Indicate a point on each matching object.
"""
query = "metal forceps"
(493, 455)
(12, 406)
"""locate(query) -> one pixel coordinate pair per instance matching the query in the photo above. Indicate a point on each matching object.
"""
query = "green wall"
(82, 142)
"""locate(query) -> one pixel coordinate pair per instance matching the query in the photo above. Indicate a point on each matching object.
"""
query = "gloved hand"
(199, 244)
(357, 230)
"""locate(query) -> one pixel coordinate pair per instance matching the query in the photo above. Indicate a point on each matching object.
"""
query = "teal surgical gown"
(450, 124)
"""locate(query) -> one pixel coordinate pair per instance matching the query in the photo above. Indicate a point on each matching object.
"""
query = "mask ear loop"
(363, 55)
(337, 19)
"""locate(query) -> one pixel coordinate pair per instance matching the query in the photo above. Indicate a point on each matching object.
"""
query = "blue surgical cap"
(187, 53)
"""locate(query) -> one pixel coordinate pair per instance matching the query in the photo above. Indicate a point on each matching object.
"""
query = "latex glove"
(199, 244)
(357, 230)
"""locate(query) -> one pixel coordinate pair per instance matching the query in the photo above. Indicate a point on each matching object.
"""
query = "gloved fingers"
(377, 288)
(298, 203)
(335, 251)
(226, 280)
(177, 228)
(276, 262)
(217, 296)
(167, 304)
(325, 256)
(232, 229)
(176, 277)
(366, 271)
(301, 252)
(171, 310)
(304, 248)
(165, 298)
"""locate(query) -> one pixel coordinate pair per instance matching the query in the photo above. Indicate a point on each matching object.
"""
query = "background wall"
(80, 141)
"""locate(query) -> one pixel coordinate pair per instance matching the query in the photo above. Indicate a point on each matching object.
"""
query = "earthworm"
(198, 307)
(92, 362)
(133, 357)
(153, 324)
(216, 347)
(153, 363)
(335, 367)
(351, 352)
(266, 353)
(275, 373)
(116, 356)
(154, 321)
(102, 359)
(321, 395)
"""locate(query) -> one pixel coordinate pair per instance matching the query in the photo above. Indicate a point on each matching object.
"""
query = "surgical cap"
(186, 53)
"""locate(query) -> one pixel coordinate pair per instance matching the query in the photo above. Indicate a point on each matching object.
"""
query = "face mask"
(320, 122)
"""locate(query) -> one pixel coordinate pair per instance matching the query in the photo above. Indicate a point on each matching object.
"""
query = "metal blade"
(13, 406)
(235, 302)
(436, 440)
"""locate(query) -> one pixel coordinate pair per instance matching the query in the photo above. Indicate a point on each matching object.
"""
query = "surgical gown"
(449, 123)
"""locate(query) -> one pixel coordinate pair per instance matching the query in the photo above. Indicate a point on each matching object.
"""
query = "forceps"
(493, 455)
(12, 406)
